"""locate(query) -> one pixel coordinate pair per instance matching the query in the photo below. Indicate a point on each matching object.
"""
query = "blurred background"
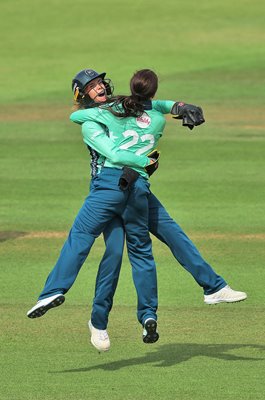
(211, 180)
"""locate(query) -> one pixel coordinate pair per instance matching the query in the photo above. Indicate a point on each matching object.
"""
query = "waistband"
(111, 171)
(115, 172)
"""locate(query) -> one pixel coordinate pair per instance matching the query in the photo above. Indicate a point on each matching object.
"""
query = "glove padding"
(151, 168)
(128, 177)
(191, 115)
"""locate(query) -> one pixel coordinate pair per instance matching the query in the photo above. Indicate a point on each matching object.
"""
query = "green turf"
(211, 181)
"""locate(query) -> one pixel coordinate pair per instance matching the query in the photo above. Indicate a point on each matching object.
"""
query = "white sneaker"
(44, 305)
(99, 338)
(225, 295)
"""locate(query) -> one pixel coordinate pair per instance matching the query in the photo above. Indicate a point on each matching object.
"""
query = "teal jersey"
(137, 136)
(97, 137)
(163, 106)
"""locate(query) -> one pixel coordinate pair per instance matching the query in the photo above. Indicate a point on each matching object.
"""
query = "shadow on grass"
(7, 235)
(173, 354)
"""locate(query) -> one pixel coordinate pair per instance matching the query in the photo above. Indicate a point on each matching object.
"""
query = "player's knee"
(114, 253)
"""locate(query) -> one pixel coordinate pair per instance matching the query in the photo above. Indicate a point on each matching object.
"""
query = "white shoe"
(99, 338)
(44, 305)
(225, 295)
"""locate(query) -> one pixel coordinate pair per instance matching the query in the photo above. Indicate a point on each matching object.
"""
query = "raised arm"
(190, 114)
(81, 116)
(163, 106)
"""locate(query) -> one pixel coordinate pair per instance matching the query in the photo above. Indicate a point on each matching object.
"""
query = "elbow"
(73, 118)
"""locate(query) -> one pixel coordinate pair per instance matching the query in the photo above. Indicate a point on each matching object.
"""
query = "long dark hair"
(143, 86)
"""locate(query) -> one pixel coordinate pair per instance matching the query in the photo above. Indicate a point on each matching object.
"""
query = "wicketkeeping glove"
(154, 156)
(191, 115)
(128, 177)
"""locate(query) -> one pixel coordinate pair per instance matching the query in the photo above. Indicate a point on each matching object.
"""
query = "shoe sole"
(99, 349)
(152, 335)
(209, 302)
(40, 311)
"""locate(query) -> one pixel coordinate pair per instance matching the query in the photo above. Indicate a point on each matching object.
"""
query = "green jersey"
(130, 139)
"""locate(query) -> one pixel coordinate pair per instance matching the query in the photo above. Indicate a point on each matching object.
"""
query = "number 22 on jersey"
(137, 142)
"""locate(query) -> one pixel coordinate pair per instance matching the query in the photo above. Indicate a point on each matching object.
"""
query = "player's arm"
(94, 114)
(190, 114)
(89, 119)
(163, 106)
(81, 116)
(94, 135)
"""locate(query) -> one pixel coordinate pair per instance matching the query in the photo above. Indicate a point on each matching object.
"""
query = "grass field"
(211, 181)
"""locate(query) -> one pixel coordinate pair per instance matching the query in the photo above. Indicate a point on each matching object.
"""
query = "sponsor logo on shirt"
(143, 121)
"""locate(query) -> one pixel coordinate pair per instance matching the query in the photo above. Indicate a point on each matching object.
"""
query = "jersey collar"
(147, 104)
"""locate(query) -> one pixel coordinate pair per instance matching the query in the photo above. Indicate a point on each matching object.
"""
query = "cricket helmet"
(82, 79)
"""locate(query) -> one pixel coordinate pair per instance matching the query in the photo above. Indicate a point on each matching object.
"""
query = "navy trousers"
(105, 202)
(168, 231)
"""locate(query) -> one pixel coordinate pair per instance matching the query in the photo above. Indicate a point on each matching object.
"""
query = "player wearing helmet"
(91, 81)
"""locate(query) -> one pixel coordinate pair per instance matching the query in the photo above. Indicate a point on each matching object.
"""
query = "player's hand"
(190, 114)
(127, 178)
(154, 157)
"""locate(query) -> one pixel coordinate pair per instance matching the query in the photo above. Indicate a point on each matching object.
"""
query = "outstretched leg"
(169, 232)
(99, 208)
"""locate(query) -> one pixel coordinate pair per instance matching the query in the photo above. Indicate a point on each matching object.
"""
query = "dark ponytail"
(143, 87)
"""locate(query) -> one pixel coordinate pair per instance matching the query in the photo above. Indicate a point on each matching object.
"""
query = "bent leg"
(108, 273)
(73, 254)
(168, 231)
(98, 209)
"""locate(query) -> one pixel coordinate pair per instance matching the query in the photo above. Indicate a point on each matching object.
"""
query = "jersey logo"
(96, 134)
(143, 121)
